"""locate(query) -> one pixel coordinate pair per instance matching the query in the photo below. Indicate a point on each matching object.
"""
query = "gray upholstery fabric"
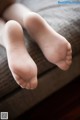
(20, 101)
(65, 19)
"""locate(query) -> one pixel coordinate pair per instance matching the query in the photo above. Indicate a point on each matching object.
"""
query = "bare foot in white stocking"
(22, 66)
(54, 46)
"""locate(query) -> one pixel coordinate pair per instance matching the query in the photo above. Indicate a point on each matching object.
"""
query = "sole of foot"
(23, 68)
(55, 47)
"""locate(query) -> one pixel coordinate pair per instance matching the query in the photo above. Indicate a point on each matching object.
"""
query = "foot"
(22, 66)
(54, 46)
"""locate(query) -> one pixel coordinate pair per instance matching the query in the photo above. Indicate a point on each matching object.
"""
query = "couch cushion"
(65, 19)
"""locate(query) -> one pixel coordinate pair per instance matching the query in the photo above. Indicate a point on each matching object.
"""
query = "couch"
(65, 19)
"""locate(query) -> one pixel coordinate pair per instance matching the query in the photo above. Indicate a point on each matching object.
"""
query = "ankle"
(34, 23)
(28, 19)
(32, 18)
(12, 30)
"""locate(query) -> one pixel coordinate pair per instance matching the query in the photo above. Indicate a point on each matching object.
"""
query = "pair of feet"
(55, 48)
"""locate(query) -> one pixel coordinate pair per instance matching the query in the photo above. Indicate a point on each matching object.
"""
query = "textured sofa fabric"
(65, 19)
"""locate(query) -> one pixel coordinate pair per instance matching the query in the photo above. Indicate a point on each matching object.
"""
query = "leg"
(16, 12)
(54, 46)
(2, 24)
(22, 67)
